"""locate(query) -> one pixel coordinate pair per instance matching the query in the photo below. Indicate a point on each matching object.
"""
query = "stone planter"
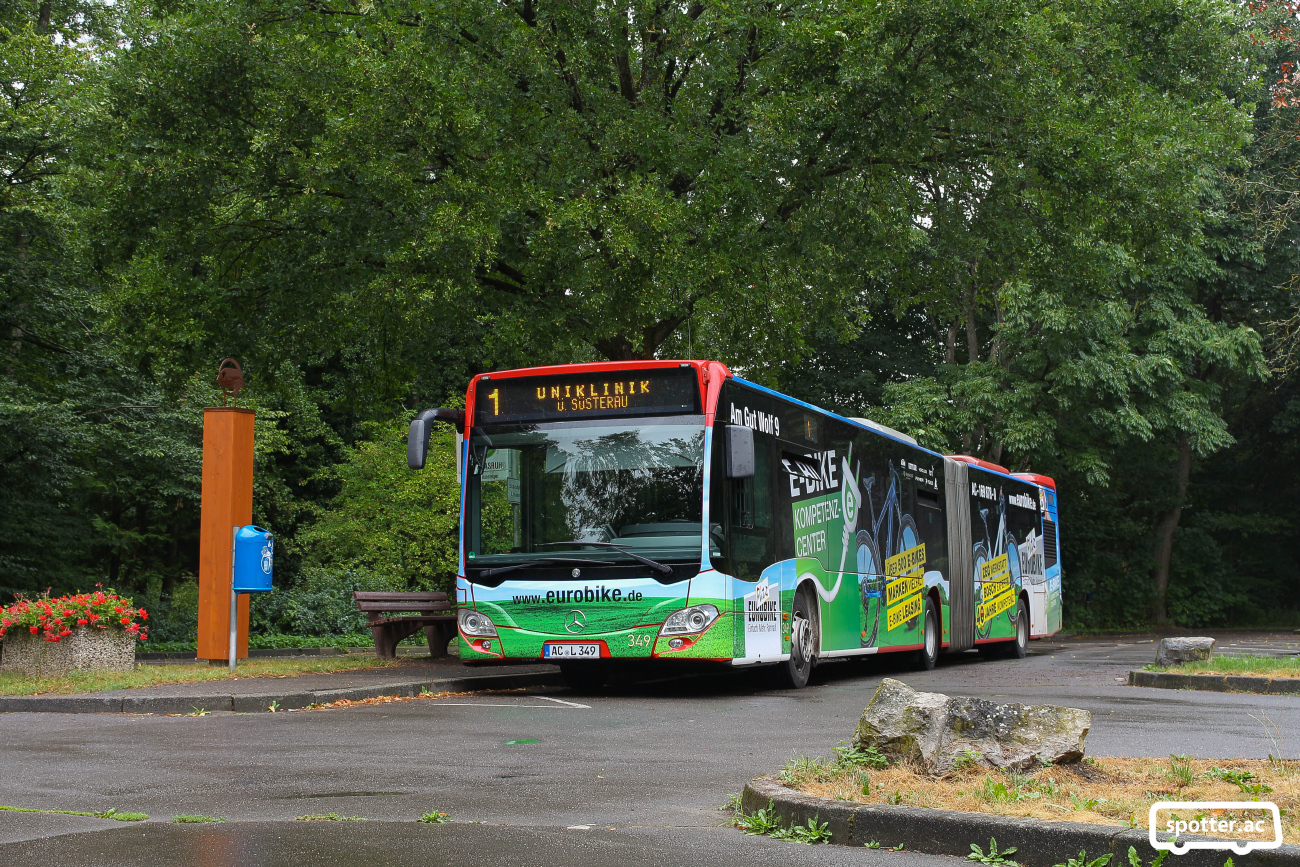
(88, 648)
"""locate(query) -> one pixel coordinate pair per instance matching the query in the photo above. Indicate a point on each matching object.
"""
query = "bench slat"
(404, 606)
(434, 618)
(375, 596)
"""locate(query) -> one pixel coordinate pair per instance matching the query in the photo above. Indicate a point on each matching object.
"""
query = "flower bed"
(78, 632)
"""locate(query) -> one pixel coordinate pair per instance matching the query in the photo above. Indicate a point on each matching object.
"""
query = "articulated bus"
(670, 510)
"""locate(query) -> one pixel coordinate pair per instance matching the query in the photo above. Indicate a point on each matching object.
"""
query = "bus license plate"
(571, 651)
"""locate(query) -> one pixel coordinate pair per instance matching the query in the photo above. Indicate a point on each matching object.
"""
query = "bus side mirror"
(740, 452)
(417, 439)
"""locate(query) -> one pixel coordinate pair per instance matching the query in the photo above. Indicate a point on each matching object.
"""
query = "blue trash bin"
(254, 556)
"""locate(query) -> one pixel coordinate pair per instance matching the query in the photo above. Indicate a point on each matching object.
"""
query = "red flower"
(126, 620)
(81, 621)
(94, 617)
(144, 615)
(35, 629)
(118, 610)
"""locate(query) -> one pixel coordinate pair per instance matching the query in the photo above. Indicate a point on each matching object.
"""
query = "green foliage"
(1017, 787)
(388, 526)
(1051, 241)
(1244, 780)
(765, 821)
(761, 822)
(993, 856)
(1085, 803)
(195, 820)
(851, 755)
(1082, 860)
(113, 813)
(1180, 770)
(812, 832)
(1135, 860)
(433, 817)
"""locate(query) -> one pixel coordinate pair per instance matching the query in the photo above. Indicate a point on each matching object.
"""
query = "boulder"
(939, 733)
(1176, 651)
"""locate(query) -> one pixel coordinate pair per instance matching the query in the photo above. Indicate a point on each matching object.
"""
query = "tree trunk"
(1165, 528)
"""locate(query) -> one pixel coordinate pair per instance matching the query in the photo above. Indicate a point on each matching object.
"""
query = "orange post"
(227, 503)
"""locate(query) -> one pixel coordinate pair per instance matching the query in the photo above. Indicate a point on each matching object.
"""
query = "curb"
(949, 832)
(259, 701)
(1216, 682)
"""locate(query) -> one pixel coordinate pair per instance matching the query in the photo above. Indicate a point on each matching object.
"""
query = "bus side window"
(1049, 543)
(751, 499)
(750, 531)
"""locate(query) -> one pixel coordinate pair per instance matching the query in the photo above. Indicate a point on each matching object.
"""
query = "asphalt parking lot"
(635, 774)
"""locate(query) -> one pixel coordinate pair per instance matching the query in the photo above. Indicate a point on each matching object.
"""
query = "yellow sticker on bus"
(907, 562)
(995, 606)
(901, 588)
(904, 611)
(992, 570)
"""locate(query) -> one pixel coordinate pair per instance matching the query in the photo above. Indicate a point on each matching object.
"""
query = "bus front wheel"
(795, 671)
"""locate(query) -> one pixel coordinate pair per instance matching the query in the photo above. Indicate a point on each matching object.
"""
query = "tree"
(1064, 273)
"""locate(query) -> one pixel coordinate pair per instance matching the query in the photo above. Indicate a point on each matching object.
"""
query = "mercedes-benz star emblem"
(576, 621)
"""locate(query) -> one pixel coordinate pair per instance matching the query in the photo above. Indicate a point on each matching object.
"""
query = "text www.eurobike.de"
(600, 593)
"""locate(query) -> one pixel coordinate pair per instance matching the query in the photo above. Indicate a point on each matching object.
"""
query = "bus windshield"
(540, 491)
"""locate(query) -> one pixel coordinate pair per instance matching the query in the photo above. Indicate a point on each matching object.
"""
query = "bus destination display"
(552, 398)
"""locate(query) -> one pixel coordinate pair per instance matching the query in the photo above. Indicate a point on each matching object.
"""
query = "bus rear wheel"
(795, 671)
(1018, 648)
(928, 655)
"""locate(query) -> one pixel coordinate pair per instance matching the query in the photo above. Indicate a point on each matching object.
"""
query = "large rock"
(1176, 651)
(939, 733)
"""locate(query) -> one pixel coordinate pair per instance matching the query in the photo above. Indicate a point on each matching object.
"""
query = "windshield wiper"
(541, 561)
(653, 564)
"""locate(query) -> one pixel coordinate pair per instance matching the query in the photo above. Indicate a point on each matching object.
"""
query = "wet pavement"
(651, 760)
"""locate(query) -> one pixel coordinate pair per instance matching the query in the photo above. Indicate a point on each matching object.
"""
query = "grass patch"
(1253, 666)
(329, 817)
(433, 817)
(194, 820)
(153, 675)
(363, 641)
(1102, 791)
(102, 814)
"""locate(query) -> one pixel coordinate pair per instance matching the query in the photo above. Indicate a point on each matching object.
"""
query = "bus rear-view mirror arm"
(417, 440)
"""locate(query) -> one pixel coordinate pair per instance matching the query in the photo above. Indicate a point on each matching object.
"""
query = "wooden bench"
(390, 619)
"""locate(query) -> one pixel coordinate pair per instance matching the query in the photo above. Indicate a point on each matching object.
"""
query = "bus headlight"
(689, 620)
(475, 623)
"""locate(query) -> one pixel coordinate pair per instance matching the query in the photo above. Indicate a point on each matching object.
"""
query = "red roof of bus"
(976, 462)
(1045, 481)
